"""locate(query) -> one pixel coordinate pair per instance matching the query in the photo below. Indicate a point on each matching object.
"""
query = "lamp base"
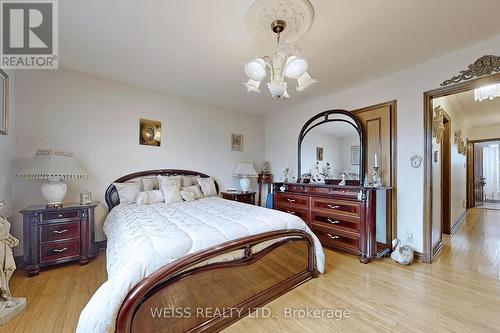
(54, 193)
(244, 184)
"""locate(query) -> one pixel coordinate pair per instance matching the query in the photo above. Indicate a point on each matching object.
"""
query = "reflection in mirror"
(331, 151)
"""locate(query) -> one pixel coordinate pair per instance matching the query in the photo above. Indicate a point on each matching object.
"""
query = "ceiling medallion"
(298, 15)
(289, 22)
(485, 65)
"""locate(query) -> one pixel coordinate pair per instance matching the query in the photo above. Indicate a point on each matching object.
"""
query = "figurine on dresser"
(9, 306)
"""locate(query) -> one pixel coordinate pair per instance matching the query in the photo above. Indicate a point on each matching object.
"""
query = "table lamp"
(245, 170)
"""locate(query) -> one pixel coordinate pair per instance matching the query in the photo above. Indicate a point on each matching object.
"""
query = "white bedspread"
(142, 239)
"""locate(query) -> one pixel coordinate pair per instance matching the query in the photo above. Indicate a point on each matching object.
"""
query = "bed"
(195, 266)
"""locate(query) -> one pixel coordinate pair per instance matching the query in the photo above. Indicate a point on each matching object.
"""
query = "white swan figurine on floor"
(401, 254)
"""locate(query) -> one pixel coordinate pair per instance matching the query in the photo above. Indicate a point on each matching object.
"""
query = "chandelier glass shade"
(284, 64)
(487, 92)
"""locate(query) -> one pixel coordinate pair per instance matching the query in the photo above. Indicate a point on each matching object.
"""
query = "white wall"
(98, 121)
(480, 133)
(7, 153)
(407, 87)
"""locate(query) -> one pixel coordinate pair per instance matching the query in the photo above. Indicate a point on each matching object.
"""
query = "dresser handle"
(333, 207)
(333, 222)
(60, 250)
(333, 237)
(60, 215)
(290, 212)
(291, 200)
(60, 231)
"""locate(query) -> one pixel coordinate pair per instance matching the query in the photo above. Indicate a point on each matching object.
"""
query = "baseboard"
(437, 250)
(101, 245)
(418, 256)
(458, 223)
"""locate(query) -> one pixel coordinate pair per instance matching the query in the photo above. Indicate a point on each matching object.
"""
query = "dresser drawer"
(59, 250)
(304, 215)
(336, 207)
(332, 237)
(292, 200)
(321, 220)
(61, 215)
(53, 232)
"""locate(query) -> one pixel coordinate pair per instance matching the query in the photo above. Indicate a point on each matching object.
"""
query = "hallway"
(476, 245)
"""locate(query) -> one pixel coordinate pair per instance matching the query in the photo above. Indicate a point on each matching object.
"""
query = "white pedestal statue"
(9, 306)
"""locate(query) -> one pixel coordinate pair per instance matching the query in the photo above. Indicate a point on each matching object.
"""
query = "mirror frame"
(310, 124)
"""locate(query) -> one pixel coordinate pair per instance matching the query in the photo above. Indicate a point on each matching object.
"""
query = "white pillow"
(171, 187)
(187, 195)
(195, 189)
(150, 184)
(149, 197)
(127, 192)
(188, 181)
(207, 186)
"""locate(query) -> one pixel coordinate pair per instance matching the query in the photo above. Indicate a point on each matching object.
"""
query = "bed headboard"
(112, 198)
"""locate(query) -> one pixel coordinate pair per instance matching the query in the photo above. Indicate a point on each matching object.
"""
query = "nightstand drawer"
(53, 232)
(59, 215)
(59, 250)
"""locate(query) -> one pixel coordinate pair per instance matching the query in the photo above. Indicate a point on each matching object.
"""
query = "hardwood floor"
(455, 294)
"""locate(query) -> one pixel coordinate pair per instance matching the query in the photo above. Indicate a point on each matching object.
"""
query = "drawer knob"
(290, 212)
(60, 250)
(60, 215)
(333, 207)
(291, 200)
(332, 221)
(59, 232)
(333, 236)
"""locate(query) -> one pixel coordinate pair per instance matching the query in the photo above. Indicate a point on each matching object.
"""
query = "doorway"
(435, 209)
(485, 179)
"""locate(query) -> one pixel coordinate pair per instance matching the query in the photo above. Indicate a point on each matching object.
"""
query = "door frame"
(471, 174)
(446, 176)
(429, 255)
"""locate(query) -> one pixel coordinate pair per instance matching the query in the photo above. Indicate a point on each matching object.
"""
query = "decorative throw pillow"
(207, 186)
(127, 192)
(150, 184)
(149, 197)
(188, 181)
(187, 195)
(195, 189)
(171, 187)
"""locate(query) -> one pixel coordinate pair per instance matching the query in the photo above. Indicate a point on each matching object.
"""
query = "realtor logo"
(29, 35)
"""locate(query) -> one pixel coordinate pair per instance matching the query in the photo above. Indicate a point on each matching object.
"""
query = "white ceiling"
(479, 114)
(196, 48)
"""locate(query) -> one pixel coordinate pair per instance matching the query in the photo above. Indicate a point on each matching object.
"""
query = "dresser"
(57, 235)
(246, 197)
(352, 219)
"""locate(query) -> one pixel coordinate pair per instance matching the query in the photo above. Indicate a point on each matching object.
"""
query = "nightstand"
(247, 197)
(57, 235)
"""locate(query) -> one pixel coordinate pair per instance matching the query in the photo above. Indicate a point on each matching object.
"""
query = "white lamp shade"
(256, 69)
(305, 81)
(52, 164)
(488, 92)
(278, 89)
(245, 169)
(295, 67)
(252, 86)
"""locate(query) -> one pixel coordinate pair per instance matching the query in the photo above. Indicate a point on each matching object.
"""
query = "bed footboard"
(200, 292)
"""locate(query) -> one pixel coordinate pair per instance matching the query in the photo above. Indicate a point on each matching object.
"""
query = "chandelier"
(487, 92)
(285, 63)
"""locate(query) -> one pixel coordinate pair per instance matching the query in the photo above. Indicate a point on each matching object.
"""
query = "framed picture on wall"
(149, 132)
(355, 152)
(319, 153)
(237, 142)
(4, 102)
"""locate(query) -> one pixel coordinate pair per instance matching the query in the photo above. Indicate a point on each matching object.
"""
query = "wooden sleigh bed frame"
(202, 293)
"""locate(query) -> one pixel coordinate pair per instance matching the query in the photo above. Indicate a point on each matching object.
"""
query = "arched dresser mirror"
(330, 149)
(330, 195)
